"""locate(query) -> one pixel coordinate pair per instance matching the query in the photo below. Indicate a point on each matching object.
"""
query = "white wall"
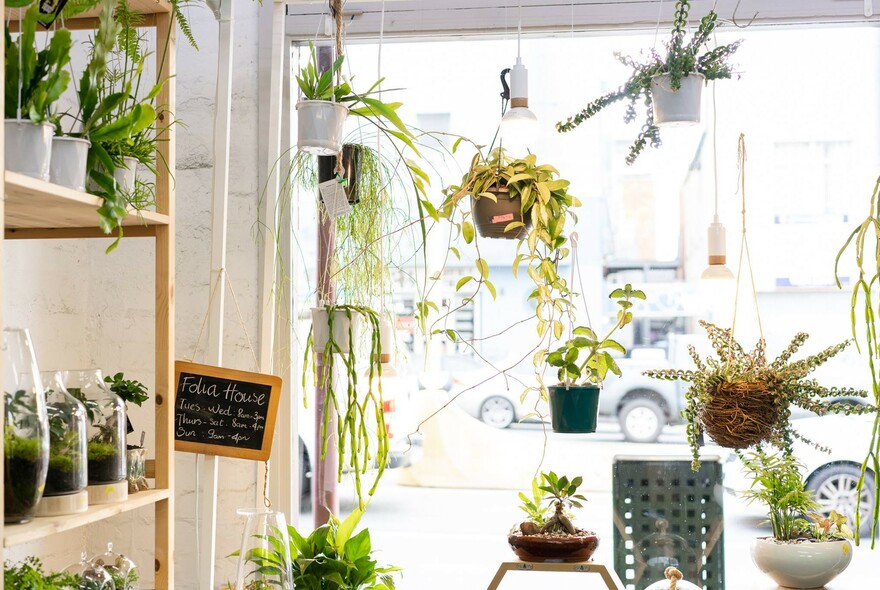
(88, 309)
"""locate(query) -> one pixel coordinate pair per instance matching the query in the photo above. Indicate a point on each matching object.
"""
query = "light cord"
(519, 30)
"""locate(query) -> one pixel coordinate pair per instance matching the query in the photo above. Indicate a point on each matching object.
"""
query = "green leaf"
(462, 282)
(483, 268)
(491, 288)
(467, 231)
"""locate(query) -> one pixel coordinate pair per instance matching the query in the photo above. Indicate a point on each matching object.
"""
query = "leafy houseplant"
(105, 450)
(135, 392)
(29, 575)
(685, 64)
(548, 532)
(801, 553)
(582, 364)
(359, 413)
(35, 80)
(740, 399)
(332, 557)
(865, 240)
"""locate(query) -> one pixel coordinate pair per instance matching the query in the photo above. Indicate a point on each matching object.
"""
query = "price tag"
(334, 197)
(51, 7)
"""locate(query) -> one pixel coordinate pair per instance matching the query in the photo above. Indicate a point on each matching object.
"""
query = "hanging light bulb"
(519, 125)
(717, 268)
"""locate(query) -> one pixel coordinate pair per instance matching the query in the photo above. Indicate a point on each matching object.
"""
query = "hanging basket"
(574, 409)
(341, 332)
(28, 148)
(319, 126)
(351, 158)
(68, 166)
(492, 218)
(677, 107)
(740, 414)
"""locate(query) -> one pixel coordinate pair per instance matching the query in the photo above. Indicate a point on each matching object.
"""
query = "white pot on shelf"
(68, 166)
(125, 175)
(319, 126)
(677, 107)
(804, 564)
(341, 323)
(28, 147)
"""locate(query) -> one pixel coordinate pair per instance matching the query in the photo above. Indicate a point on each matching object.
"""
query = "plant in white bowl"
(802, 552)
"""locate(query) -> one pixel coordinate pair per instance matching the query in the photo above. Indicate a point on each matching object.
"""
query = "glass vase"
(264, 558)
(67, 439)
(106, 433)
(25, 429)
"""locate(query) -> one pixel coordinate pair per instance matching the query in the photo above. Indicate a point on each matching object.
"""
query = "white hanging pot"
(677, 107)
(804, 564)
(68, 167)
(341, 323)
(319, 126)
(28, 148)
(125, 175)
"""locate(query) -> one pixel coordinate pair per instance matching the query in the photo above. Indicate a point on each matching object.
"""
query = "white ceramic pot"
(126, 175)
(321, 328)
(677, 107)
(28, 148)
(801, 565)
(68, 167)
(319, 126)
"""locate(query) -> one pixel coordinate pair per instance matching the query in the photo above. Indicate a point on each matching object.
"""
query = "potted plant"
(34, 81)
(800, 553)
(740, 399)
(29, 575)
(135, 392)
(548, 533)
(332, 557)
(670, 86)
(582, 364)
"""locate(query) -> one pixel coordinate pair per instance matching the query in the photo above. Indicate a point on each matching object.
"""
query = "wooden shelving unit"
(33, 209)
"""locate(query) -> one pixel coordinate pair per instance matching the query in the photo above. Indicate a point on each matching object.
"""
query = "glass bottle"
(264, 558)
(123, 570)
(25, 428)
(90, 575)
(106, 433)
(67, 439)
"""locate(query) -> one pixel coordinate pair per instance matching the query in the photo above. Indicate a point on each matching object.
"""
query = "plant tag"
(502, 218)
(334, 197)
(53, 7)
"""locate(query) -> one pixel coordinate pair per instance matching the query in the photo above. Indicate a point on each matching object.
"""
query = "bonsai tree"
(682, 59)
(130, 390)
(740, 399)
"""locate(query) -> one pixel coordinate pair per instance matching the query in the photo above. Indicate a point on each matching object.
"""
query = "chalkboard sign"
(225, 412)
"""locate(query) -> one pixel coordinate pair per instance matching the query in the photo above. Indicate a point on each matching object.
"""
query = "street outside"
(455, 537)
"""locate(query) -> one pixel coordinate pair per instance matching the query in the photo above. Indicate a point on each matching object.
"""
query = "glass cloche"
(67, 438)
(106, 433)
(122, 569)
(90, 575)
(25, 428)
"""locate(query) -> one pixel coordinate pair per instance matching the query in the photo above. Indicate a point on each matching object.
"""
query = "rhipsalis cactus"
(740, 399)
(682, 59)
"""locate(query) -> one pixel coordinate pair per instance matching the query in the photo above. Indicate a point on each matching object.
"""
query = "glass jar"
(106, 433)
(264, 558)
(25, 428)
(91, 576)
(67, 439)
(122, 570)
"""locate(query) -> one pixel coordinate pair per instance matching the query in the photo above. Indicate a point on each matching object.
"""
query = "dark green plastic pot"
(574, 409)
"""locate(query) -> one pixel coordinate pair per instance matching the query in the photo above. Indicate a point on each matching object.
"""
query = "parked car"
(831, 476)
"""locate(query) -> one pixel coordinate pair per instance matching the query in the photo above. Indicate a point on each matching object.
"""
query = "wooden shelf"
(137, 6)
(40, 528)
(32, 204)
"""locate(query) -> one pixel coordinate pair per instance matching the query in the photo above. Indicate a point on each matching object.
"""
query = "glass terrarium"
(122, 570)
(67, 439)
(91, 576)
(106, 432)
(25, 428)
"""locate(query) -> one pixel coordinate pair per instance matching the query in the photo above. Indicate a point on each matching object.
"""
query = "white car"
(832, 477)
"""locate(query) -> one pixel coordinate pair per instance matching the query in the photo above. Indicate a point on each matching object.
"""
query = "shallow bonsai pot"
(546, 548)
(319, 126)
(492, 218)
(801, 565)
(574, 409)
(677, 107)
(68, 166)
(28, 147)
(341, 323)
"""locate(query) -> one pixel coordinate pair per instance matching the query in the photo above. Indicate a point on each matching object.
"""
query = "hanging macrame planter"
(491, 217)
(677, 107)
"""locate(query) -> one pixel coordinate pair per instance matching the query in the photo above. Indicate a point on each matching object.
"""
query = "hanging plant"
(685, 68)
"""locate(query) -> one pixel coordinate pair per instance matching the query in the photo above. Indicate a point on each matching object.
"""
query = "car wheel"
(642, 420)
(834, 488)
(497, 411)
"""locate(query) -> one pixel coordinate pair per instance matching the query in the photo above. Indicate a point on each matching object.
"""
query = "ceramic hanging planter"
(677, 107)
(319, 126)
(343, 330)
(68, 165)
(492, 218)
(28, 147)
(574, 409)
(801, 564)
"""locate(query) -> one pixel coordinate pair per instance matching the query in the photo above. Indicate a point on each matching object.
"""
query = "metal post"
(324, 498)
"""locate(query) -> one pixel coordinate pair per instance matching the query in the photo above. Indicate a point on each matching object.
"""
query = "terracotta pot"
(492, 218)
(801, 565)
(545, 548)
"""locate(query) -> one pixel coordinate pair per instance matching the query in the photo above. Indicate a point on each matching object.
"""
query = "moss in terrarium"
(99, 451)
(26, 449)
(61, 462)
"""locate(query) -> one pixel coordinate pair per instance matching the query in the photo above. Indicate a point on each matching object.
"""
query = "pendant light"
(717, 237)
(519, 124)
